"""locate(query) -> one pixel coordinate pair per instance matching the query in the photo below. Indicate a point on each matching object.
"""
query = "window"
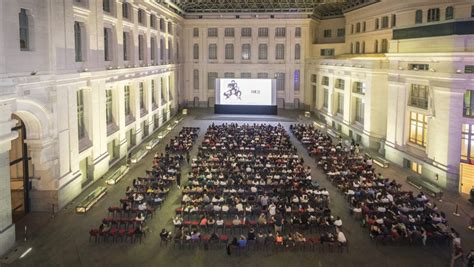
(229, 32)
(126, 44)
(246, 32)
(195, 32)
(128, 110)
(467, 143)
(469, 69)
(170, 87)
(106, 7)
(25, 30)
(352, 28)
(296, 80)
(153, 92)
(449, 13)
(327, 33)
(313, 78)
(341, 32)
(416, 167)
(325, 80)
(229, 51)
(109, 118)
(262, 32)
(141, 47)
(298, 32)
(384, 22)
(81, 127)
(359, 110)
(163, 90)
(364, 26)
(229, 75)
(357, 48)
(327, 52)
(262, 52)
(170, 27)
(195, 51)
(358, 27)
(362, 50)
(297, 51)
(211, 80)
(468, 104)
(142, 96)
(376, 46)
(212, 32)
(280, 52)
(162, 25)
(107, 44)
(280, 81)
(246, 51)
(246, 75)
(377, 23)
(339, 84)
(262, 75)
(419, 16)
(433, 14)
(78, 41)
(394, 20)
(418, 129)
(212, 51)
(384, 46)
(162, 50)
(152, 48)
(196, 79)
(472, 11)
(419, 66)
(141, 16)
(340, 104)
(170, 50)
(358, 88)
(326, 98)
(153, 21)
(280, 32)
(126, 10)
(418, 96)
(352, 48)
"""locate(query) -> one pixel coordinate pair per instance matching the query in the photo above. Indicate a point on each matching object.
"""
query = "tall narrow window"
(376, 46)
(433, 14)
(106, 6)
(195, 32)
(141, 16)
(81, 127)
(326, 98)
(196, 79)
(25, 31)
(107, 44)
(153, 93)
(170, 51)
(377, 23)
(297, 51)
(126, 43)
(127, 100)
(419, 16)
(141, 47)
(296, 80)
(170, 27)
(126, 10)
(142, 96)
(280, 81)
(358, 27)
(153, 21)
(394, 20)
(359, 110)
(467, 143)
(298, 32)
(280, 52)
(362, 50)
(211, 80)
(449, 13)
(418, 129)
(153, 48)
(357, 48)
(468, 103)
(212, 51)
(162, 50)
(163, 91)
(384, 22)
(229, 51)
(418, 96)
(109, 118)
(78, 41)
(384, 46)
(339, 84)
(262, 52)
(340, 104)
(195, 51)
(246, 51)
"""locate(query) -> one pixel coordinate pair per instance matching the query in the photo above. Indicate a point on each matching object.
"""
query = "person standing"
(188, 157)
(178, 179)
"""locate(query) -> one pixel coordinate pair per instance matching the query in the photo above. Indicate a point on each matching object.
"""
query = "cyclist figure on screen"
(233, 90)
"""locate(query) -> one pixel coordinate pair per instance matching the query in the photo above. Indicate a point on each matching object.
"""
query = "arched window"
(419, 16)
(297, 52)
(449, 13)
(24, 31)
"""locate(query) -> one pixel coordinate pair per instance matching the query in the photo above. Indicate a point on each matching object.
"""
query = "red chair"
(223, 239)
(131, 235)
(121, 233)
(94, 233)
(112, 233)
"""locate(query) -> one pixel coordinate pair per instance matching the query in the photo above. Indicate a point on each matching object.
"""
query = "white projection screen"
(231, 91)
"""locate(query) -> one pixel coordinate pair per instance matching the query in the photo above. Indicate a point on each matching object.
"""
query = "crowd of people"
(390, 213)
(249, 178)
(129, 220)
(184, 141)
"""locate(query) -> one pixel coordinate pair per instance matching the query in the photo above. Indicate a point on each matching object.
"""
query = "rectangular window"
(467, 143)
(313, 78)
(25, 30)
(280, 52)
(229, 32)
(325, 80)
(152, 48)
(384, 22)
(78, 41)
(394, 20)
(229, 52)
(141, 16)
(359, 110)
(340, 104)
(212, 32)
(162, 50)
(127, 100)
(262, 32)
(142, 96)
(326, 98)
(280, 32)
(419, 16)
(280, 81)
(246, 75)
(162, 25)
(468, 106)
(109, 118)
(296, 80)
(195, 51)
(418, 96)
(211, 80)
(469, 69)
(107, 43)
(126, 43)
(126, 10)
(327, 52)
(327, 33)
(246, 52)
(212, 51)
(106, 6)
(341, 32)
(195, 32)
(358, 88)
(377, 23)
(246, 32)
(170, 27)
(262, 52)
(262, 75)
(472, 11)
(153, 21)
(418, 129)
(298, 32)
(358, 27)
(196, 79)
(163, 90)
(433, 14)
(339, 84)
(418, 66)
(297, 51)
(141, 47)
(364, 26)
(153, 89)
(81, 127)
(229, 75)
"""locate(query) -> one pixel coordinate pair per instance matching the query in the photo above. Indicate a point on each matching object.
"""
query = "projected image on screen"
(244, 92)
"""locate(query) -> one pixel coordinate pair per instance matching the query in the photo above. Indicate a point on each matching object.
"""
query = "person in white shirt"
(338, 222)
(341, 238)
(272, 209)
(239, 207)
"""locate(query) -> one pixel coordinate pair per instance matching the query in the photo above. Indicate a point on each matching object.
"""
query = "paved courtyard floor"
(64, 239)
